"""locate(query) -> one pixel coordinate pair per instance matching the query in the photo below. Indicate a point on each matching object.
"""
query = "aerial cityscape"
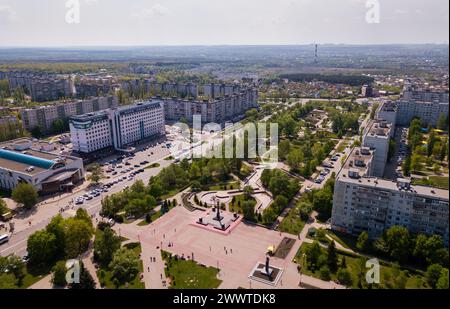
(291, 161)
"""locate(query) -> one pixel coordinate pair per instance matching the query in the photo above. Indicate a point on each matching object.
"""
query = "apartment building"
(377, 138)
(388, 112)
(428, 112)
(363, 202)
(44, 116)
(93, 87)
(227, 108)
(42, 87)
(151, 86)
(118, 127)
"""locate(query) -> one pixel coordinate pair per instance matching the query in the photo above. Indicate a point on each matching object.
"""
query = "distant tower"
(316, 54)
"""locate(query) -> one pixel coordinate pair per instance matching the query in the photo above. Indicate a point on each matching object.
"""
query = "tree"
(313, 253)
(196, 186)
(3, 208)
(442, 283)
(56, 227)
(363, 242)
(96, 173)
(344, 277)
(59, 272)
(406, 167)
(420, 248)
(42, 248)
(435, 251)
(14, 265)
(416, 162)
(332, 259)
(125, 265)
(433, 274)
(248, 191)
(397, 242)
(8, 282)
(442, 122)
(325, 273)
(78, 236)
(86, 280)
(295, 158)
(248, 210)
(283, 149)
(25, 194)
(105, 245)
(323, 202)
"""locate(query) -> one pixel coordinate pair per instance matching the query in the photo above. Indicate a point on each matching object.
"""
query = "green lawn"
(135, 284)
(435, 181)
(33, 275)
(232, 185)
(345, 240)
(187, 274)
(292, 224)
(414, 279)
(238, 199)
(439, 181)
(154, 165)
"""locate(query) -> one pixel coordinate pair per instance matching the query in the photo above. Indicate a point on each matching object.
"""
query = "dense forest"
(347, 79)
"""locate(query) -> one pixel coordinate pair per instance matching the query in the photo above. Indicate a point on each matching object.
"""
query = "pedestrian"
(148, 269)
(161, 276)
(231, 251)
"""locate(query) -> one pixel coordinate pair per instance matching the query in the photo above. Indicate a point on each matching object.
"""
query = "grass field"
(187, 274)
(435, 181)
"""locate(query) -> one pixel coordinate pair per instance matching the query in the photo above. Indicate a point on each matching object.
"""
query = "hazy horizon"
(142, 23)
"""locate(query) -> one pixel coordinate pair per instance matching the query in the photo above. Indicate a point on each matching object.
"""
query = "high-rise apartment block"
(363, 202)
(44, 116)
(227, 108)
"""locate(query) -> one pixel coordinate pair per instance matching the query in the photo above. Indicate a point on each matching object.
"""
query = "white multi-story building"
(377, 139)
(388, 112)
(138, 122)
(117, 128)
(90, 132)
(428, 112)
(363, 202)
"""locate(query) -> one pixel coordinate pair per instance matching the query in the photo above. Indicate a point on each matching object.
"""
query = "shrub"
(325, 273)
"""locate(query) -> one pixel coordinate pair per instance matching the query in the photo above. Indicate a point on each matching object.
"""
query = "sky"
(42, 23)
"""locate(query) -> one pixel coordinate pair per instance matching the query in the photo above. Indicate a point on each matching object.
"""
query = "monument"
(218, 220)
(265, 273)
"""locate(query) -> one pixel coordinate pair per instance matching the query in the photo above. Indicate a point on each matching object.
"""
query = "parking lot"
(394, 166)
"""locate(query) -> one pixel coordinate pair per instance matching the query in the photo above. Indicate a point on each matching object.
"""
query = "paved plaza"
(234, 254)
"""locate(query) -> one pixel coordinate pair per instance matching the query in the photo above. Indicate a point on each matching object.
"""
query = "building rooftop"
(358, 162)
(24, 155)
(379, 128)
(356, 170)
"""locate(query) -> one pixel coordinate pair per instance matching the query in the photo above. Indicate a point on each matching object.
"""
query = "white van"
(4, 239)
